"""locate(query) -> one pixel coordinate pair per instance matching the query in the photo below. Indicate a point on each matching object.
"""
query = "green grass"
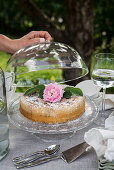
(4, 57)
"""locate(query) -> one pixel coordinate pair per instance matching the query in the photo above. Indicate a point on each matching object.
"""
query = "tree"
(78, 28)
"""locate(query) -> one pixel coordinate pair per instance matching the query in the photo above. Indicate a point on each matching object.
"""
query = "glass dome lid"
(44, 63)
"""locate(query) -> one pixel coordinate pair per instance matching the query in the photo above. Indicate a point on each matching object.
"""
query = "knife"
(68, 156)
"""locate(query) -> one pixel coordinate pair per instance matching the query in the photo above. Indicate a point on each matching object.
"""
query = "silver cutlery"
(68, 156)
(36, 155)
(37, 162)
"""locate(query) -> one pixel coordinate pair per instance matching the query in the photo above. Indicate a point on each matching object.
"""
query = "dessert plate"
(17, 119)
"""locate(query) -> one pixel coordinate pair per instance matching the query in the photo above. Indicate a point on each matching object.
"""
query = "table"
(22, 142)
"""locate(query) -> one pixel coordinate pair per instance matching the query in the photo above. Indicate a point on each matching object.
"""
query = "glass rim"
(100, 55)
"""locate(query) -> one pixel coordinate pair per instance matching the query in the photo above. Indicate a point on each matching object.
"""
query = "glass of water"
(4, 127)
(103, 75)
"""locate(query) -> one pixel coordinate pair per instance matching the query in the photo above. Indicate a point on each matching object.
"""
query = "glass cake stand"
(44, 63)
(53, 131)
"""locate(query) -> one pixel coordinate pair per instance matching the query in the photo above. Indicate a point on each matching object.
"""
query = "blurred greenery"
(14, 22)
(17, 23)
(4, 57)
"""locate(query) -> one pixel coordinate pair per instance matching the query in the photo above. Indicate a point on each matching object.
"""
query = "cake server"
(68, 156)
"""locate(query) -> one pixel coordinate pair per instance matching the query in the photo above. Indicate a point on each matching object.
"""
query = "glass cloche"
(43, 63)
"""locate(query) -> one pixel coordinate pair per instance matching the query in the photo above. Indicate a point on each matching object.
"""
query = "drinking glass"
(103, 76)
(4, 127)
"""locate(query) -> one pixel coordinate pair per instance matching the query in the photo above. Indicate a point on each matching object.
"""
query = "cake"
(43, 110)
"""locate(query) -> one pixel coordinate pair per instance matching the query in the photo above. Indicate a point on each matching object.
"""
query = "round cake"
(38, 110)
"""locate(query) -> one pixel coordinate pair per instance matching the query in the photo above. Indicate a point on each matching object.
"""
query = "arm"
(5, 43)
(11, 46)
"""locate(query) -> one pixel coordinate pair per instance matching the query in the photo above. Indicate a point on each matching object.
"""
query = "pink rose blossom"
(53, 92)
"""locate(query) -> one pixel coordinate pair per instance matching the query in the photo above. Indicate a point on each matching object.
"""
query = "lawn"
(4, 57)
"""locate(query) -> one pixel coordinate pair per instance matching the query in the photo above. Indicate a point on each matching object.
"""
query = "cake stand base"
(54, 137)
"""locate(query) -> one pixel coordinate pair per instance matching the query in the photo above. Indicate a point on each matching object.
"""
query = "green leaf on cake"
(39, 88)
(41, 94)
(69, 91)
(77, 91)
(31, 91)
(67, 94)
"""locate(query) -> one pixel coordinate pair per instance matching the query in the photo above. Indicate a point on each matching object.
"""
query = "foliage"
(17, 23)
(4, 57)
(69, 91)
(14, 22)
(103, 25)
(39, 88)
(55, 10)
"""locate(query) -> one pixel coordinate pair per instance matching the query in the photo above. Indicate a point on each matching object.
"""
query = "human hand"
(31, 38)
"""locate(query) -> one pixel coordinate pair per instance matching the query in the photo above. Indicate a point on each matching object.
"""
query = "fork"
(50, 150)
(38, 162)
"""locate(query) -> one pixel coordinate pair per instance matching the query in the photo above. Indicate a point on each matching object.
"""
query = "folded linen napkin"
(89, 88)
(93, 91)
(102, 140)
(109, 98)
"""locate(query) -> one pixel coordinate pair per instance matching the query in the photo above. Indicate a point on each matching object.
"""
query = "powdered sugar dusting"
(35, 100)
(17, 119)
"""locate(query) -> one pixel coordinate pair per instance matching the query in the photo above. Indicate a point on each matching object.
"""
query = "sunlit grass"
(4, 57)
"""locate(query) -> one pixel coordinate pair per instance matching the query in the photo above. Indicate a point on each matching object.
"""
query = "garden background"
(86, 25)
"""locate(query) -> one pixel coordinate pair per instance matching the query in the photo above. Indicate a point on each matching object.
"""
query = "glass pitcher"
(4, 126)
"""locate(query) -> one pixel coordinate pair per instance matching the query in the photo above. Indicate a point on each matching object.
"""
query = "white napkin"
(102, 140)
(89, 88)
(109, 101)
(93, 91)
